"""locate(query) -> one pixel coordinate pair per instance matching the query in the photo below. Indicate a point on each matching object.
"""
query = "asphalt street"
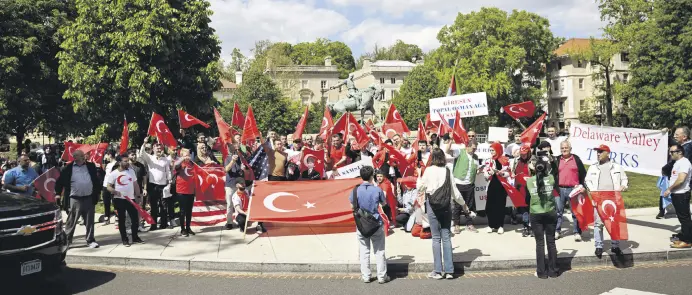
(662, 278)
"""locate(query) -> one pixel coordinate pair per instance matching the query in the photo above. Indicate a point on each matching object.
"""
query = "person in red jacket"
(185, 188)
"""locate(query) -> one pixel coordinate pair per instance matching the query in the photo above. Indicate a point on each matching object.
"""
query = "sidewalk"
(317, 249)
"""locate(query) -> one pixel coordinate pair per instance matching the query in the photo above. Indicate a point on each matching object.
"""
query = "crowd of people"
(546, 173)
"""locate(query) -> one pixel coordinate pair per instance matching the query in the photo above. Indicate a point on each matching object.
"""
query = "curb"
(353, 267)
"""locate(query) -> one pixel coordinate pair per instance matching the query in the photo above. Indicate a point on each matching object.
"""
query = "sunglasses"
(675, 151)
(599, 151)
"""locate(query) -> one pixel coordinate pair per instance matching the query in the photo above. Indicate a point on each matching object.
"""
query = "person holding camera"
(542, 208)
(605, 176)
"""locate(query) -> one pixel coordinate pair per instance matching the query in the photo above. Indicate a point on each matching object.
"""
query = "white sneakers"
(93, 245)
(557, 236)
(490, 230)
(500, 231)
(577, 237)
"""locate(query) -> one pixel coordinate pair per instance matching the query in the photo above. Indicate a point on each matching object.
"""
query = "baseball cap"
(602, 147)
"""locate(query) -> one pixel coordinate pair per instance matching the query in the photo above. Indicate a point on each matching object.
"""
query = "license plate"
(30, 267)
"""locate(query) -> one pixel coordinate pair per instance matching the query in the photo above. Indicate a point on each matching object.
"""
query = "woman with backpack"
(437, 184)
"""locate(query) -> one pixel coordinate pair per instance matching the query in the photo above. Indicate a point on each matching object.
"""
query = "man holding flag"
(122, 183)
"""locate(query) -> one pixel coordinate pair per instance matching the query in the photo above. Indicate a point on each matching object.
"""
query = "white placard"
(481, 193)
(483, 151)
(636, 150)
(469, 105)
(500, 134)
(351, 170)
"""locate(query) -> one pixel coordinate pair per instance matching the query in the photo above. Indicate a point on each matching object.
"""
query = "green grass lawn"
(642, 191)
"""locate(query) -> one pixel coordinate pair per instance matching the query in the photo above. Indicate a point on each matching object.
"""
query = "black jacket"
(64, 183)
(314, 175)
(580, 167)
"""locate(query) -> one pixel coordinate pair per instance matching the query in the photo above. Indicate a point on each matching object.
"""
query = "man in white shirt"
(513, 147)
(159, 176)
(554, 141)
(406, 148)
(679, 190)
(122, 183)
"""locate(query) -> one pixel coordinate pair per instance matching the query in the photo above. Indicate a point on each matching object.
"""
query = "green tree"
(659, 41)
(314, 53)
(272, 111)
(30, 92)
(399, 51)
(315, 115)
(420, 85)
(498, 53)
(137, 57)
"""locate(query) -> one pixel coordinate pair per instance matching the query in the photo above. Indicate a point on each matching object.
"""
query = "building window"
(304, 84)
(323, 84)
(579, 64)
(394, 93)
(559, 65)
(581, 83)
(582, 104)
(381, 80)
(561, 107)
(305, 98)
(625, 78)
(556, 85)
(624, 56)
(562, 84)
(393, 80)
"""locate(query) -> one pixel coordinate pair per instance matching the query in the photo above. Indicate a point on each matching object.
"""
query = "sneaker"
(659, 215)
(449, 276)
(577, 237)
(384, 280)
(489, 230)
(557, 235)
(541, 276)
(189, 231)
(525, 232)
(183, 232)
(366, 280)
(434, 275)
(93, 245)
(137, 240)
(126, 243)
(471, 228)
(599, 253)
(107, 221)
(500, 231)
(260, 229)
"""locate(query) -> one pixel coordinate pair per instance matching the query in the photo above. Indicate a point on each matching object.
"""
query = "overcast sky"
(363, 23)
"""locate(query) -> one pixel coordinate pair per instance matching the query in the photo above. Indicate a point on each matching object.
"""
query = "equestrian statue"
(357, 99)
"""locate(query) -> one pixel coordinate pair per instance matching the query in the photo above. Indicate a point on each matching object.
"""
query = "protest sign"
(637, 150)
(468, 105)
(350, 171)
(481, 193)
(499, 134)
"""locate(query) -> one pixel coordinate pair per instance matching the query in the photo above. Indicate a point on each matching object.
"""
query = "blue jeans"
(598, 232)
(441, 235)
(561, 201)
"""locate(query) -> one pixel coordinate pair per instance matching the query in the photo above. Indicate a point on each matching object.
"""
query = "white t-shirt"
(109, 167)
(510, 148)
(453, 153)
(681, 166)
(123, 182)
(555, 144)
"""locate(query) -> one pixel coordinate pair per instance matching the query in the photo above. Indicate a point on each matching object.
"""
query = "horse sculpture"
(363, 100)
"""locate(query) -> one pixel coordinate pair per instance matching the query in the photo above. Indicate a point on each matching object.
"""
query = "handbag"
(366, 223)
(440, 200)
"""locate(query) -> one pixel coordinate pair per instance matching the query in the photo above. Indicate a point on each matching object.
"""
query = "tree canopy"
(398, 51)
(420, 85)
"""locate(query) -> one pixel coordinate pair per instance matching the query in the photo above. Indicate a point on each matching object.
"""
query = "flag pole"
(247, 218)
(520, 124)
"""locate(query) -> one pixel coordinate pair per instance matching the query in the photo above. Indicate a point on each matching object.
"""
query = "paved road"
(661, 278)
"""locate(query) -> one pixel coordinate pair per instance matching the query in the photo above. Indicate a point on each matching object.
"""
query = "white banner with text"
(469, 105)
(637, 150)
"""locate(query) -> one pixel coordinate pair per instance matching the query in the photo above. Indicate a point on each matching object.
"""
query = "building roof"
(573, 45)
(393, 63)
(225, 84)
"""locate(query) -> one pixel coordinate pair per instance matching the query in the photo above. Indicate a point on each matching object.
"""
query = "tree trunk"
(20, 142)
(608, 97)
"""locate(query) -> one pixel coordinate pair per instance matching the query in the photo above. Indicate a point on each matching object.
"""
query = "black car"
(32, 241)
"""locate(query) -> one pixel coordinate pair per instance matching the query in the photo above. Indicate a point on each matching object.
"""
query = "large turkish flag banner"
(317, 201)
(611, 209)
(210, 186)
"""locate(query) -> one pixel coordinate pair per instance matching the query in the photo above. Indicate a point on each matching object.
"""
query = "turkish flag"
(145, 215)
(97, 153)
(391, 129)
(158, 128)
(396, 156)
(530, 134)
(375, 136)
(444, 127)
(301, 125)
(430, 125)
(226, 132)
(385, 221)
(250, 131)
(45, 184)
(409, 181)
(301, 201)
(394, 117)
(611, 209)
(187, 121)
(517, 197)
(347, 125)
(86, 148)
(210, 181)
(238, 118)
(388, 189)
(124, 138)
(378, 159)
(220, 145)
(582, 207)
(519, 110)
(369, 125)
(318, 157)
(459, 132)
(70, 147)
(327, 123)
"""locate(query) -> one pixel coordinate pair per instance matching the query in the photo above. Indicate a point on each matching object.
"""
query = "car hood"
(16, 205)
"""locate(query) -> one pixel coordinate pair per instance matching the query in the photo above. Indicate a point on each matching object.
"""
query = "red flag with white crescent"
(124, 138)
(317, 201)
(394, 117)
(459, 132)
(431, 126)
(97, 153)
(238, 118)
(226, 132)
(187, 121)
(327, 123)
(317, 158)
(209, 182)
(158, 128)
(611, 209)
(301, 125)
(70, 147)
(519, 110)
(385, 221)
(517, 197)
(391, 129)
(45, 184)
(530, 134)
(582, 207)
(145, 215)
(250, 131)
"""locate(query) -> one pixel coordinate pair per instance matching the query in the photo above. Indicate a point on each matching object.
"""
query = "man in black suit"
(311, 173)
(79, 187)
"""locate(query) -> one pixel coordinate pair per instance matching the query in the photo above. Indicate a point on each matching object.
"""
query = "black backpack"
(441, 199)
(366, 222)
